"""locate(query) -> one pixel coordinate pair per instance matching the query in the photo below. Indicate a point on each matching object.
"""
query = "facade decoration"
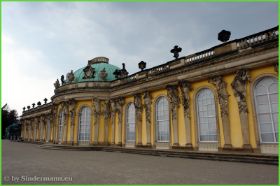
(89, 72)
(185, 87)
(119, 109)
(106, 108)
(103, 74)
(96, 114)
(121, 73)
(147, 105)
(174, 100)
(178, 119)
(113, 118)
(223, 95)
(138, 112)
(70, 76)
(72, 107)
(239, 88)
(56, 84)
(62, 80)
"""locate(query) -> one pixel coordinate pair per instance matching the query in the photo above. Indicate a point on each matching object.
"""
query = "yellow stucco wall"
(234, 119)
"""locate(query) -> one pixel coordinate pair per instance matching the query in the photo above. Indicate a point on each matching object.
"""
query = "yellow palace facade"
(222, 99)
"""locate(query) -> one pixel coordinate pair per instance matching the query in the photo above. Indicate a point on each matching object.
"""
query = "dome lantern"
(98, 60)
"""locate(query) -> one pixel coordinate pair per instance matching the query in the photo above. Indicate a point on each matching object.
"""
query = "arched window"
(130, 123)
(162, 120)
(60, 126)
(84, 126)
(266, 102)
(206, 114)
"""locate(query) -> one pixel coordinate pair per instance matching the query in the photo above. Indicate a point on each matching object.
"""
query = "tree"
(9, 117)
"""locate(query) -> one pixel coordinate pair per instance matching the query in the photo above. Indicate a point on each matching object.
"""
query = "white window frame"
(268, 94)
(130, 124)
(162, 120)
(84, 125)
(60, 126)
(199, 118)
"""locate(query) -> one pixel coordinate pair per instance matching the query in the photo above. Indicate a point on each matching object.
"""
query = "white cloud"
(26, 76)
(42, 41)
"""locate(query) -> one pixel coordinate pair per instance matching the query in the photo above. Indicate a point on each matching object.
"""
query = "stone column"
(185, 87)
(96, 113)
(113, 113)
(54, 124)
(147, 106)
(65, 127)
(72, 124)
(138, 118)
(35, 129)
(71, 104)
(119, 105)
(51, 129)
(41, 122)
(106, 118)
(223, 102)
(239, 88)
(172, 93)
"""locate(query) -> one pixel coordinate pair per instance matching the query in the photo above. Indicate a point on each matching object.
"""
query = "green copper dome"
(98, 69)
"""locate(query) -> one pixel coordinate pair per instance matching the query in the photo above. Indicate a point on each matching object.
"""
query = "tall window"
(162, 120)
(266, 102)
(84, 126)
(206, 115)
(60, 126)
(130, 123)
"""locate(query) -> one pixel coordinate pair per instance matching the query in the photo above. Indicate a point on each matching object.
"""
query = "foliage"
(9, 117)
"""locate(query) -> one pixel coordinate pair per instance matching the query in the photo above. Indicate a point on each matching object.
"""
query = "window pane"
(266, 127)
(266, 102)
(206, 115)
(130, 123)
(264, 118)
(162, 120)
(84, 126)
(262, 99)
(267, 137)
(274, 98)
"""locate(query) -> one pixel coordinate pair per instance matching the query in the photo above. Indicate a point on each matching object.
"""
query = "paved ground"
(27, 161)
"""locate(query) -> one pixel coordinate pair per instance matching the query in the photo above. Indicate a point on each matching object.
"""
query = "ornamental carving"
(96, 110)
(56, 84)
(119, 103)
(62, 80)
(221, 87)
(173, 95)
(88, 72)
(147, 105)
(239, 88)
(70, 77)
(96, 107)
(71, 104)
(185, 88)
(106, 107)
(113, 106)
(138, 106)
(103, 74)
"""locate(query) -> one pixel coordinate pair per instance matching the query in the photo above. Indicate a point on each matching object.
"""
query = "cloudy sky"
(42, 41)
